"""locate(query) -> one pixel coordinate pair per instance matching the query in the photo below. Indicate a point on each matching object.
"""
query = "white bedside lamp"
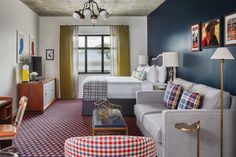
(142, 60)
(221, 54)
(171, 59)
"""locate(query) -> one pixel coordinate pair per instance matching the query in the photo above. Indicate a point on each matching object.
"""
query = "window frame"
(86, 48)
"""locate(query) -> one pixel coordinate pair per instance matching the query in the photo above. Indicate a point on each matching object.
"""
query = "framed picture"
(32, 45)
(230, 29)
(211, 33)
(20, 52)
(195, 29)
(49, 54)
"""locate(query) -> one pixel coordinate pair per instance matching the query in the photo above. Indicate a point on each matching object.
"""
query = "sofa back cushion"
(190, 100)
(186, 84)
(211, 96)
(172, 95)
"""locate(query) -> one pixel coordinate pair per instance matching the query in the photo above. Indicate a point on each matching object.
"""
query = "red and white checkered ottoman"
(108, 146)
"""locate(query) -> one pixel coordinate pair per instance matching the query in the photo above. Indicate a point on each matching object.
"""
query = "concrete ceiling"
(114, 7)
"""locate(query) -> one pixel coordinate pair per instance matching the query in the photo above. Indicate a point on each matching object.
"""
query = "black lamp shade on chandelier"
(88, 11)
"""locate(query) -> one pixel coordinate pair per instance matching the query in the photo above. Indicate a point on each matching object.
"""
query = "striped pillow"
(141, 75)
(172, 95)
(190, 100)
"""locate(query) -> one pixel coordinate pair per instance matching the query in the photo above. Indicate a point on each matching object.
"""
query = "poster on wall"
(230, 29)
(195, 37)
(20, 53)
(31, 46)
(211, 33)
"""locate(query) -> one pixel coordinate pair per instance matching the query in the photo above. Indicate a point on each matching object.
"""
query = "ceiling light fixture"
(88, 11)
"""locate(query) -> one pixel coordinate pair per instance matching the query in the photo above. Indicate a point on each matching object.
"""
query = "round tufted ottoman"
(108, 146)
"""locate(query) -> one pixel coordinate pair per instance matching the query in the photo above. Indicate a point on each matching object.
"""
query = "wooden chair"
(9, 132)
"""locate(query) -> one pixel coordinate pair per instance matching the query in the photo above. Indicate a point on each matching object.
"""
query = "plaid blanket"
(95, 88)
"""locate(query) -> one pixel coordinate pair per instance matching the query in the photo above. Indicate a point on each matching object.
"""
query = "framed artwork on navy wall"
(211, 35)
(195, 39)
(230, 29)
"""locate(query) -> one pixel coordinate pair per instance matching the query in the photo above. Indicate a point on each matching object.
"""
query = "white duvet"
(126, 87)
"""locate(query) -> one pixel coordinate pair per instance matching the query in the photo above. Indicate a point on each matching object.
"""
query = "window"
(94, 53)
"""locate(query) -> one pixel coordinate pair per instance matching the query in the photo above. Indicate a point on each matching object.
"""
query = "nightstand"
(159, 86)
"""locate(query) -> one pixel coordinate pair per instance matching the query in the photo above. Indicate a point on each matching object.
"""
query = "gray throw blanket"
(95, 88)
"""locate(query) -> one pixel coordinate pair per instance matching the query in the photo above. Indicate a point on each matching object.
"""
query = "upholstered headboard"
(157, 60)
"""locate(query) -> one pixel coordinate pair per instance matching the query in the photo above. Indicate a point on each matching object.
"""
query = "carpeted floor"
(44, 134)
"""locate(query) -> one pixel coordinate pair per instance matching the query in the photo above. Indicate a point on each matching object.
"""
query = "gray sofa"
(156, 121)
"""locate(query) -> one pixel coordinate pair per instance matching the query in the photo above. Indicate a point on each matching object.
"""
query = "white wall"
(49, 30)
(14, 15)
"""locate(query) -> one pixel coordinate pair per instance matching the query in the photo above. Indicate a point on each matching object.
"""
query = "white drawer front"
(49, 91)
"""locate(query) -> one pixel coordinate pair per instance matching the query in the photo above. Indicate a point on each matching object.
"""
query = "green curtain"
(66, 70)
(123, 51)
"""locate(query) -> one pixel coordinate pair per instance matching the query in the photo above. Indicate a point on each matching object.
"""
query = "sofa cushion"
(153, 123)
(143, 109)
(186, 84)
(172, 95)
(211, 96)
(190, 100)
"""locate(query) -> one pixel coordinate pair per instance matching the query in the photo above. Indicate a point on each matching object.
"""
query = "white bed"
(125, 87)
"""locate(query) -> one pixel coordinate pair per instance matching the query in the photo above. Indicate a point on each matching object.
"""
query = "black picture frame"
(198, 26)
(219, 35)
(49, 54)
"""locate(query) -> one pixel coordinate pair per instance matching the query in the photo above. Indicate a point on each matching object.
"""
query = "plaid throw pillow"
(172, 95)
(190, 100)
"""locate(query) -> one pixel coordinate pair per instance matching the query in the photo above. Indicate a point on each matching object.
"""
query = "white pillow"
(161, 74)
(151, 74)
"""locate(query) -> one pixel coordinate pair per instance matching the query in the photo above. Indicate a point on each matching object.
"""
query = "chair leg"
(10, 150)
(2, 154)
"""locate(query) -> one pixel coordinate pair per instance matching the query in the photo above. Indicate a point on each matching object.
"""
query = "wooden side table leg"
(93, 131)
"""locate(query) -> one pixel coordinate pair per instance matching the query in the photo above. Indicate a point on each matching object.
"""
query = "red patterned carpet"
(44, 134)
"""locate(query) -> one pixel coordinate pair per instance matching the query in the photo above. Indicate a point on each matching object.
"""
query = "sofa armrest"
(174, 140)
(149, 97)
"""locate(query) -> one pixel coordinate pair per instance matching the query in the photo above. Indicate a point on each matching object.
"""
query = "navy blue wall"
(169, 29)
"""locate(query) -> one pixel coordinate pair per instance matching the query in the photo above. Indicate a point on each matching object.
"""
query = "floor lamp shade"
(142, 60)
(222, 53)
(170, 59)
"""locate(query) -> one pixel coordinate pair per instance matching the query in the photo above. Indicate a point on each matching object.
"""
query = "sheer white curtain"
(114, 47)
(76, 60)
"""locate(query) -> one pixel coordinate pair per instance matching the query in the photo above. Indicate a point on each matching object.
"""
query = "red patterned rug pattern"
(43, 135)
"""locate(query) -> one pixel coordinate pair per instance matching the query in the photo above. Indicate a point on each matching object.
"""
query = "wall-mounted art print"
(230, 29)
(20, 52)
(195, 37)
(49, 54)
(211, 33)
(32, 45)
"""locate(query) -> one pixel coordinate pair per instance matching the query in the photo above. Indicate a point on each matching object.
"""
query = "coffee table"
(113, 124)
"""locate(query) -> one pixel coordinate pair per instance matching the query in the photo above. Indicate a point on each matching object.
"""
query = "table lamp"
(222, 54)
(142, 60)
(171, 59)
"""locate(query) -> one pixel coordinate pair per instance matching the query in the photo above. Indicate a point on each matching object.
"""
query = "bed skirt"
(127, 106)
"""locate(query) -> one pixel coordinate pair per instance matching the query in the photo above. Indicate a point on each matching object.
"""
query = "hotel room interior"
(130, 78)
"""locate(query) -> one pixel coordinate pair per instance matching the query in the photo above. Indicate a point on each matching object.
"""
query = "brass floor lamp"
(222, 54)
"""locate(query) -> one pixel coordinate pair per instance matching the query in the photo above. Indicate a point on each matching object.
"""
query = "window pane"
(94, 41)
(81, 60)
(94, 61)
(107, 41)
(107, 60)
(81, 41)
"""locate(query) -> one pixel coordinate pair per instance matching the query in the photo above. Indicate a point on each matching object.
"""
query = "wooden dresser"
(40, 94)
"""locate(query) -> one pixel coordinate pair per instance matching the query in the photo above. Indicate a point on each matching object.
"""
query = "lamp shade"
(222, 53)
(170, 59)
(142, 60)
